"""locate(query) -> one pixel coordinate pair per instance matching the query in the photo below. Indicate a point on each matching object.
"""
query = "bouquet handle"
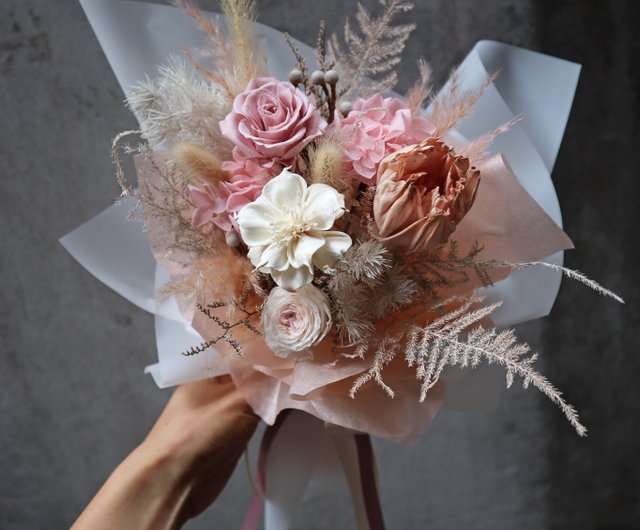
(301, 456)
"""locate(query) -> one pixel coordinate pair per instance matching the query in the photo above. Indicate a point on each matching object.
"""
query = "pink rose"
(219, 204)
(423, 193)
(375, 128)
(271, 121)
(293, 322)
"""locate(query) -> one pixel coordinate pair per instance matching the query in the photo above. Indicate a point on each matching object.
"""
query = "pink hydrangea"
(219, 204)
(375, 128)
(271, 121)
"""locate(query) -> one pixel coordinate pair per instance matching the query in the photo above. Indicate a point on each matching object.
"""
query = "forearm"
(148, 490)
(181, 467)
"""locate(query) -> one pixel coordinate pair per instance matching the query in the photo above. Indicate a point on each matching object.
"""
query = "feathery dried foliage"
(478, 149)
(367, 58)
(445, 268)
(233, 51)
(454, 103)
(321, 49)
(125, 187)
(385, 350)
(180, 106)
(163, 196)
(421, 90)
(224, 277)
(241, 14)
(439, 344)
(358, 219)
(569, 273)
(366, 287)
(248, 319)
(447, 342)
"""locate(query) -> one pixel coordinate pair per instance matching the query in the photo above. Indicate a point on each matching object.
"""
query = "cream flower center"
(297, 226)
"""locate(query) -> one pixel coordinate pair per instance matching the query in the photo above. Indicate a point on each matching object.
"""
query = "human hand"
(182, 465)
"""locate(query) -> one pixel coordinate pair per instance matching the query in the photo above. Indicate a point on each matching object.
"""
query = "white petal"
(293, 278)
(336, 244)
(323, 205)
(275, 257)
(255, 256)
(302, 250)
(256, 223)
(285, 192)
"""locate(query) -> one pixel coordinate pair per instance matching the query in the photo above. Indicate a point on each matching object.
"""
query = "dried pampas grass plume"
(198, 164)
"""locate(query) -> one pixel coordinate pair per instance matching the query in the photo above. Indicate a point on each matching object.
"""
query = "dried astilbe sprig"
(453, 103)
(456, 339)
(373, 52)
(180, 106)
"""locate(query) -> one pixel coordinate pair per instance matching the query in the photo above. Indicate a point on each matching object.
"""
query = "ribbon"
(356, 457)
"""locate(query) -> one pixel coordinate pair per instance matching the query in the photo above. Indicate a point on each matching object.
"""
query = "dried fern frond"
(385, 352)
(397, 291)
(443, 343)
(420, 92)
(373, 51)
(359, 217)
(321, 48)
(453, 104)
(433, 347)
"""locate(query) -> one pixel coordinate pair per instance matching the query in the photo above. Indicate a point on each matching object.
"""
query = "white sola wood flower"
(287, 229)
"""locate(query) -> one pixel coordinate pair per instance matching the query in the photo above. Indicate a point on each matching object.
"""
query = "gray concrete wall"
(73, 399)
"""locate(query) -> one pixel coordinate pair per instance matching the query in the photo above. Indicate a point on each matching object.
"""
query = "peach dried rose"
(423, 193)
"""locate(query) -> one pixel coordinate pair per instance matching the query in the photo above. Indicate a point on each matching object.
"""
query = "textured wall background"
(74, 401)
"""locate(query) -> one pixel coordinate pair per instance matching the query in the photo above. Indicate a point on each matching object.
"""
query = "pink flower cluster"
(375, 128)
(219, 204)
